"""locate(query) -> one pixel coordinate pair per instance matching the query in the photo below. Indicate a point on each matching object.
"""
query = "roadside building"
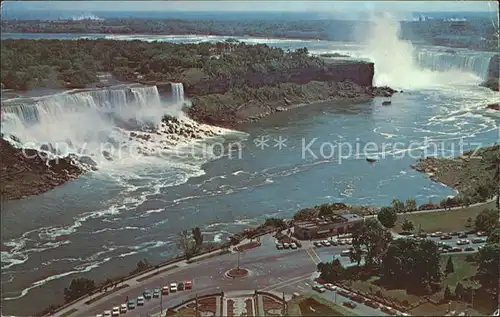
(326, 226)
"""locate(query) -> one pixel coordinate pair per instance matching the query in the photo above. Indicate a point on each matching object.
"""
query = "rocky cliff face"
(251, 104)
(26, 173)
(493, 73)
(359, 73)
(235, 100)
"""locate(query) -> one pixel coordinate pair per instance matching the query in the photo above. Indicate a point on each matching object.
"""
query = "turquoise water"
(102, 224)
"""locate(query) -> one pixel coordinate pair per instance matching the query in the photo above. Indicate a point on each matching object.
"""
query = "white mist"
(395, 65)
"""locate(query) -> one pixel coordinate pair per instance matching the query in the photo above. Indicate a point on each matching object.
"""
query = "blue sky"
(277, 6)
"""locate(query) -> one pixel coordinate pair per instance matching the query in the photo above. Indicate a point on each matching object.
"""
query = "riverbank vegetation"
(475, 175)
(27, 64)
(475, 33)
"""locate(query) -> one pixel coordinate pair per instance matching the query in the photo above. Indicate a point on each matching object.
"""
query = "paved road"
(267, 267)
(271, 269)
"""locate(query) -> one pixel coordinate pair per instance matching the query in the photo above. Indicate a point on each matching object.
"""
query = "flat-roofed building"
(326, 226)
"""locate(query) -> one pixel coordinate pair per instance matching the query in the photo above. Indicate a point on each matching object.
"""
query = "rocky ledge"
(240, 105)
(469, 173)
(494, 106)
(28, 172)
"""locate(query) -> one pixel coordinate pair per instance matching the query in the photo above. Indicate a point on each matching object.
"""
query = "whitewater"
(137, 200)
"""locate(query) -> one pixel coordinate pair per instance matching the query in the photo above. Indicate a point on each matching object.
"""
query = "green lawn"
(463, 270)
(444, 221)
(314, 305)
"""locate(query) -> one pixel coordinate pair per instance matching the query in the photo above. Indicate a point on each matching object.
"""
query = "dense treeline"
(478, 33)
(37, 63)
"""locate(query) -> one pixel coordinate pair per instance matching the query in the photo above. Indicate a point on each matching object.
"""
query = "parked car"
(98, 315)
(164, 290)
(317, 244)
(279, 246)
(342, 242)
(131, 304)
(173, 287)
(140, 301)
(462, 235)
(116, 311)
(436, 234)
(357, 298)
(123, 309)
(481, 234)
(455, 249)
(463, 242)
(342, 292)
(286, 246)
(320, 281)
(188, 285)
(388, 310)
(107, 313)
(180, 286)
(422, 235)
(293, 246)
(454, 233)
(156, 293)
(345, 252)
(147, 294)
(319, 288)
(372, 304)
(325, 243)
(349, 304)
(330, 287)
(469, 249)
(446, 237)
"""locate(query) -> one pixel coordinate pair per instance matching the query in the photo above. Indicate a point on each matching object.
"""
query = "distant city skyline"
(253, 6)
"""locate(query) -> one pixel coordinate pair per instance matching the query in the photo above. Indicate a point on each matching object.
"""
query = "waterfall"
(82, 119)
(444, 60)
(178, 92)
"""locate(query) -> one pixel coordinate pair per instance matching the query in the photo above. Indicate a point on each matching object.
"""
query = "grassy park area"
(464, 269)
(444, 221)
(314, 305)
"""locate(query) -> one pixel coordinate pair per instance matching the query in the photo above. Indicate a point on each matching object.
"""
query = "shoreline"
(231, 36)
(29, 172)
(467, 174)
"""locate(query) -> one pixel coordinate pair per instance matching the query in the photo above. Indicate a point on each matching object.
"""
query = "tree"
(142, 265)
(493, 161)
(410, 264)
(459, 291)
(494, 237)
(449, 266)
(387, 217)
(411, 205)
(198, 238)
(185, 243)
(468, 224)
(447, 293)
(331, 271)
(487, 220)
(398, 205)
(78, 288)
(275, 222)
(407, 226)
(372, 237)
(488, 272)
